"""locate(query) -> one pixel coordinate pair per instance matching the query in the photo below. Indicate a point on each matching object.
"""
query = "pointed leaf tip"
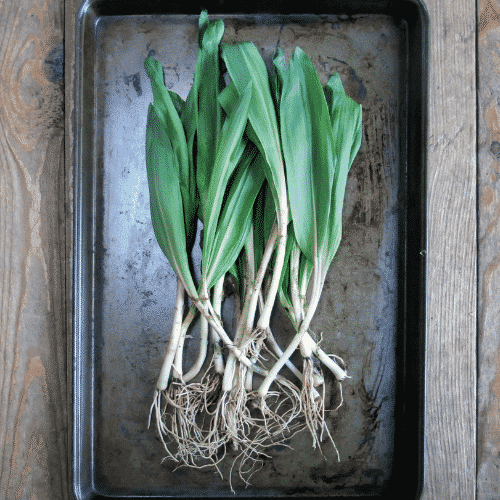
(335, 83)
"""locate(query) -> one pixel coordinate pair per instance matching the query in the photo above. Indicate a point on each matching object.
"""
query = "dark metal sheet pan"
(372, 308)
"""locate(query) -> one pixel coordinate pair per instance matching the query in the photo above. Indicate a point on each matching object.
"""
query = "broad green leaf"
(291, 243)
(245, 65)
(202, 26)
(279, 75)
(229, 152)
(270, 218)
(167, 112)
(306, 136)
(258, 223)
(305, 272)
(212, 35)
(346, 119)
(166, 200)
(264, 220)
(236, 216)
(177, 102)
(234, 270)
(335, 95)
(189, 119)
(334, 86)
(209, 109)
(228, 99)
(195, 116)
(172, 124)
(284, 284)
(238, 271)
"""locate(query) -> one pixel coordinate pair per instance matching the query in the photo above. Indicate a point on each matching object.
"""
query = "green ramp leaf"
(167, 208)
(236, 216)
(245, 65)
(209, 110)
(346, 119)
(229, 152)
(279, 75)
(169, 117)
(306, 136)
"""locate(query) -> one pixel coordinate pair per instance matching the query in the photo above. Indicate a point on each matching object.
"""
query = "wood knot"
(495, 149)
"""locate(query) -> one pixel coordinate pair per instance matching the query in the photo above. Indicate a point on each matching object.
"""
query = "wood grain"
(450, 366)
(35, 250)
(33, 397)
(488, 478)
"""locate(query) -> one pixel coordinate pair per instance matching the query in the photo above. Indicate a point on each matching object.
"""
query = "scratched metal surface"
(359, 315)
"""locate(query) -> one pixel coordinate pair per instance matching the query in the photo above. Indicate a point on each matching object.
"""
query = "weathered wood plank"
(35, 243)
(33, 371)
(450, 368)
(488, 478)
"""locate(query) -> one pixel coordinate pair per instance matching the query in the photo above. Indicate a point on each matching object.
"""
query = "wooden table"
(462, 430)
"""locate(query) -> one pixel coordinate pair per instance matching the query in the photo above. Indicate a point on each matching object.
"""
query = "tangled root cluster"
(199, 424)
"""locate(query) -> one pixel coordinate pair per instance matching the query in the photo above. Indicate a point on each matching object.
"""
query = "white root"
(175, 334)
(314, 409)
(245, 325)
(282, 210)
(183, 429)
(202, 353)
(337, 371)
(197, 422)
(304, 326)
(271, 340)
